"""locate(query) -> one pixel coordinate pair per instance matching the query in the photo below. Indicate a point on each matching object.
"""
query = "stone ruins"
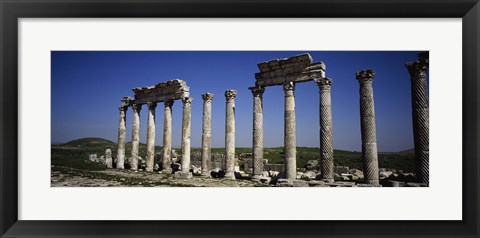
(286, 73)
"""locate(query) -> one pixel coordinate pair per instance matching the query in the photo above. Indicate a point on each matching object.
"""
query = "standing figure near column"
(206, 133)
(290, 141)
(150, 136)
(420, 114)
(367, 121)
(230, 134)
(135, 135)
(167, 137)
(326, 134)
(186, 120)
(257, 150)
(122, 135)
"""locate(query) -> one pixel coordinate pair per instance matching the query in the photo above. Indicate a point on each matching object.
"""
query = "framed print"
(239, 118)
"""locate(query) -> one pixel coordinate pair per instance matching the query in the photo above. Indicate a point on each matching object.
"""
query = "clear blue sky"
(87, 87)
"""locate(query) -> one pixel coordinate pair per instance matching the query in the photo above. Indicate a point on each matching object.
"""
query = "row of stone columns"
(167, 136)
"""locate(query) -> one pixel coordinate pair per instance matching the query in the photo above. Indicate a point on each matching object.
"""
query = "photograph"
(239, 119)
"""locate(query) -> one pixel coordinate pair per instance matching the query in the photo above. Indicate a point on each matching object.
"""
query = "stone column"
(257, 143)
(122, 135)
(167, 137)
(326, 133)
(186, 120)
(108, 158)
(150, 136)
(135, 135)
(367, 121)
(230, 134)
(290, 141)
(206, 133)
(420, 114)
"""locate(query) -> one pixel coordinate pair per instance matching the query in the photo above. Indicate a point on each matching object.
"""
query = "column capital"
(136, 107)
(324, 83)
(364, 76)
(187, 100)
(151, 105)
(257, 91)
(419, 68)
(207, 97)
(230, 94)
(123, 108)
(289, 86)
(168, 103)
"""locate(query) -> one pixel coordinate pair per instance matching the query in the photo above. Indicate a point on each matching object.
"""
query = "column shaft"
(230, 134)
(326, 132)
(368, 130)
(257, 143)
(186, 120)
(122, 135)
(206, 133)
(290, 141)
(167, 137)
(150, 136)
(135, 135)
(420, 116)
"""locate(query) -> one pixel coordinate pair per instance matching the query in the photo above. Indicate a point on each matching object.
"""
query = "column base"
(167, 171)
(230, 175)
(183, 175)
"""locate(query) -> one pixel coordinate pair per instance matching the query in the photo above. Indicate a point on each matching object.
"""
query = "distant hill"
(90, 141)
(410, 151)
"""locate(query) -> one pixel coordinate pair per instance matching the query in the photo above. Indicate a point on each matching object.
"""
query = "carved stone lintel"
(208, 97)
(289, 86)
(364, 76)
(257, 91)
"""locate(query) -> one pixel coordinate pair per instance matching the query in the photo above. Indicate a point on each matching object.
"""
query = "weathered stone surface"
(167, 137)
(367, 120)
(230, 133)
(182, 175)
(122, 134)
(290, 141)
(326, 131)
(150, 136)
(136, 108)
(420, 114)
(257, 149)
(206, 133)
(186, 121)
(311, 165)
(170, 90)
(108, 158)
(92, 157)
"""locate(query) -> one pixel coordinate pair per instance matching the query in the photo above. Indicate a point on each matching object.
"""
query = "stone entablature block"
(170, 90)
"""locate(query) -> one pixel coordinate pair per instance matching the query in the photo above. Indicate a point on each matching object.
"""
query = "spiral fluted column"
(326, 132)
(257, 148)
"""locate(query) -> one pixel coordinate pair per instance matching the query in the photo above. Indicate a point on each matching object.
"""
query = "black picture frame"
(11, 11)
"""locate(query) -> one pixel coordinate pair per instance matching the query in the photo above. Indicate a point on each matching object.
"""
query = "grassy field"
(75, 153)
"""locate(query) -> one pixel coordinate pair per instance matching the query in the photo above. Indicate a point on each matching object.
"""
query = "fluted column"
(290, 141)
(257, 144)
(150, 136)
(367, 121)
(326, 133)
(420, 114)
(206, 132)
(167, 137)
(135, 135)
(230, 134)
(122, 135)
(186, 120)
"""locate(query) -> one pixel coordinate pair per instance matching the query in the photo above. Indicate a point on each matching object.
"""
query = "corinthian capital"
(187, 100)
(207, 97)
(168, 103)
(364, 76)
(151, 105)
(418, 68)
(230, 94)
(324, 82)
(289, 86)
(257, 91)
(136, 107)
